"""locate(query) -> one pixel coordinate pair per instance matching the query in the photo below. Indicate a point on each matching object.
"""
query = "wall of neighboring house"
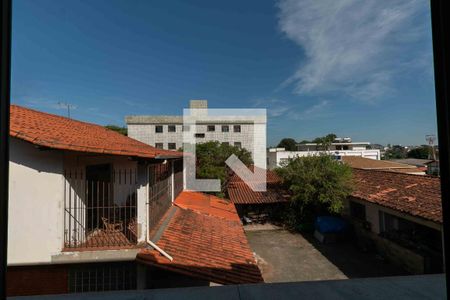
(367, 226)
(35, 229)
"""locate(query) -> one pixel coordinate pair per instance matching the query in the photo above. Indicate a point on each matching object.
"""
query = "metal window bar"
(160, 192)
(100, 213)
(178, 177)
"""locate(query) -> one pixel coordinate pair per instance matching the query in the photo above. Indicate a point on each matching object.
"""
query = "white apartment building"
(340, 147)
(166, 132)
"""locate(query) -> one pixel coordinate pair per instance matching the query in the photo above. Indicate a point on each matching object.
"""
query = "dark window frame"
(227, 128)
(235, 128)
(171, 128)
(157, 127)
(211, 128)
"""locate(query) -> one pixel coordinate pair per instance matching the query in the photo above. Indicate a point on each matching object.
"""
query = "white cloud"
(355, 47)
(316, 111)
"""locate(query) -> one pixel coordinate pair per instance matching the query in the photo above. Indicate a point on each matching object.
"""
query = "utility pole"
(430, 138)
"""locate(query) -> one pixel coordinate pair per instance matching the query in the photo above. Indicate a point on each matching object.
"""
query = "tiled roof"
(374, 164)
(416, 195)
(56, 132)
(207, 204)
(204, 244)
(240, 193)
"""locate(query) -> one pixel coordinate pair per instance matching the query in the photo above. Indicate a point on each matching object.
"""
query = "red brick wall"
(37, 280)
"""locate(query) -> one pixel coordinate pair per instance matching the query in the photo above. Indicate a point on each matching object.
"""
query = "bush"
(317, 184)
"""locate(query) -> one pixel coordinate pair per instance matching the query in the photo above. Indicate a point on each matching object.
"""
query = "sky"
(362, 69)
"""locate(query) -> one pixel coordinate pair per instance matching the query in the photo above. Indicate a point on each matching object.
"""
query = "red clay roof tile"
(416, 195)
(56, 132)
(205, 244)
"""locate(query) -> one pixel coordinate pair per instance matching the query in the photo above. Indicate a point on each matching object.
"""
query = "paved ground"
(285, 257)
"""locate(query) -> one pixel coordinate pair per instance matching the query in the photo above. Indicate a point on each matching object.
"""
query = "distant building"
(363, 163)
(166, 132)
(419, 163)
(339, 148)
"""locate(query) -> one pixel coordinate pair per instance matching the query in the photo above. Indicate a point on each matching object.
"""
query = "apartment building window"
(98, 277)
(172, 128)
(199, 135)
(238, 144)
(158, 128)
(172, 146)
(159, 145)
(237, 128)
(226, 143)
(186, 128)
(211, 128)
(225, 128)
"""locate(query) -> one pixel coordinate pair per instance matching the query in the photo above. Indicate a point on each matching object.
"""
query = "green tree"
(324, 142)
(317, 184)
(211, 157)
(395, 152)
(422, 152)
(121, 130)
(288, 144)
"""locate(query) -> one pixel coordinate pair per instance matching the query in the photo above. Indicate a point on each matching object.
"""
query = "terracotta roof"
(207, 204)
(416, 195)
(374, 164)
(204, 244)
(56, 132)
(240, 193)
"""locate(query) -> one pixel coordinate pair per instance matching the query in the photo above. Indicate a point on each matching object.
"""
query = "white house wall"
(35, 229)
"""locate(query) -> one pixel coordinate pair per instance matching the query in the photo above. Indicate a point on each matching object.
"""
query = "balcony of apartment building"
(101, 204)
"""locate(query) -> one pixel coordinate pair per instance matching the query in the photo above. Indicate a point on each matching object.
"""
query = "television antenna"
(431, 138)
(66, 105)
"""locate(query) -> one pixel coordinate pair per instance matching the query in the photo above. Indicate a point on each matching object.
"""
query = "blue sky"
(356, 68)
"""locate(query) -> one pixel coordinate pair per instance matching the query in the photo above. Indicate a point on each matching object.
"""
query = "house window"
(172, 128)
(238, 144)
(237, 128)
(172, 146)
(211, 128)
(97, 277)
(186, 128)
(158, 129)
(358, 211)
(159, 145)
(225, 128)
(226, 143)
(199, 135)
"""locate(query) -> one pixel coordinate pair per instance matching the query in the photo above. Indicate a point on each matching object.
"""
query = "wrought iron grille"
(100, 213)
(160, 192)
(102, 277)
(178, 178)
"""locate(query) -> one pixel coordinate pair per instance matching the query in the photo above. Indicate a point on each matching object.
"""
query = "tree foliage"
(288, 143)
(211, 157)
(325, 141)
(395, 152)
(422, 152)
(318, 184)
(121, 130)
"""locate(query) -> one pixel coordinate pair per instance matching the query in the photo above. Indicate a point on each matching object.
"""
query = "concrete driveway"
(284, 257)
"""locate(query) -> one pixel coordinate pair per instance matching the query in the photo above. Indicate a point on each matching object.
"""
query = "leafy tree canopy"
(288, 143)
(121, 130)
(317, 184)
(211, 157)
(423, 152)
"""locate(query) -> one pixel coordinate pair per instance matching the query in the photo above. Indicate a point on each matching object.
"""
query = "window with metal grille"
(211, 128)
(238, 144)
(172, 146)
(225, 128)
(159, 145)
(237, 128)
(97, 277)
(172, 128)
(158, 129)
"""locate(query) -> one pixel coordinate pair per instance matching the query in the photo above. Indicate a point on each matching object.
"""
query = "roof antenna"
(430, 138)
(66, 105)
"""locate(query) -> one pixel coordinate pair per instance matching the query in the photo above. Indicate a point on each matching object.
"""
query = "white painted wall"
(275, 156)
(35, 229)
